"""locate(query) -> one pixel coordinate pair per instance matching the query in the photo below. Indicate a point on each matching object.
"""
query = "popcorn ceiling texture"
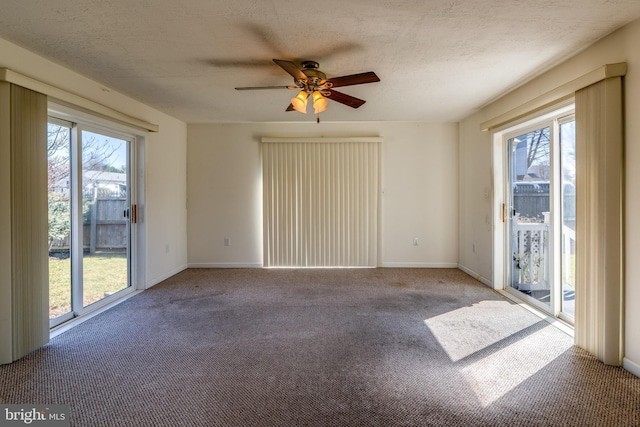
(437, 60)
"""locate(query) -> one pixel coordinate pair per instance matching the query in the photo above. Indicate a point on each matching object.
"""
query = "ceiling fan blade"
(291, 68)
(266, 87)
(354, 79)
(345, 99)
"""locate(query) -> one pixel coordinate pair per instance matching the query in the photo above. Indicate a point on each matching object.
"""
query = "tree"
(59, 218)
(538, 147)
(97, 155)
(59, 156)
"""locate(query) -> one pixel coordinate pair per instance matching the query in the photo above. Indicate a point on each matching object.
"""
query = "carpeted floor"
(362, 347)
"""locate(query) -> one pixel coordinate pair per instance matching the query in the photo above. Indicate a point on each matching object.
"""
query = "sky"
(119, 157)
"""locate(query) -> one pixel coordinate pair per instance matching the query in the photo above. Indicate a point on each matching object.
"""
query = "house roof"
(438, 60)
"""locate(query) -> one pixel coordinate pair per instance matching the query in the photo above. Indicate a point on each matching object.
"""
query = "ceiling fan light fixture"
(319, 102)
(311, 81)
(299, 102)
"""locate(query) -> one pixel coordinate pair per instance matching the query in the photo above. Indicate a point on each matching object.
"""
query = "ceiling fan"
(310, 81)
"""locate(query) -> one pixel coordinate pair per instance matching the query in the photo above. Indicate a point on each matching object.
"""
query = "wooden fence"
(106, 230)
(530, 200)
(104, 226)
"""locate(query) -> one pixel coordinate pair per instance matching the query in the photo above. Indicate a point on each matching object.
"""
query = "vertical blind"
(29, 226)
(599, 220)
(321, 202)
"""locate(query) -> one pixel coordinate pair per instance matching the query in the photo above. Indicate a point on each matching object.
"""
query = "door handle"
(132, 213)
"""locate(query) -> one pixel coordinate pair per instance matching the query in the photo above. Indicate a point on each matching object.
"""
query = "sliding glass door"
(540, 215)
(105, 215)
(529, 219)
(59, 190)
(90, 218)
(567, 140)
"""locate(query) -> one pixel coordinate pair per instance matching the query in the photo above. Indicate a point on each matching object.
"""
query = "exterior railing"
(531, 254)
(530, 251)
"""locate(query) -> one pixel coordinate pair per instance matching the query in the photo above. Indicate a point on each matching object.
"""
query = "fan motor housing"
(310, 69)
(315, 74)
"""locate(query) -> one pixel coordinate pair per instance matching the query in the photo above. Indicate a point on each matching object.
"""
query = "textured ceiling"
(438, 60)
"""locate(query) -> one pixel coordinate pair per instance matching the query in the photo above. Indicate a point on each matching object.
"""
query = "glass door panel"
(529, 214)
(105, 216)
(59, 191)
(568, 234)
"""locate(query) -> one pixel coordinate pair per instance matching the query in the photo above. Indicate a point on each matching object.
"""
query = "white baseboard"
(630, 366)
(475, 275)
(419, 265)
(223, 265)
(165, 276)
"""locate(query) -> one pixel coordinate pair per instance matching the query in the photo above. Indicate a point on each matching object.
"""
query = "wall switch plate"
(415, 241)
(227, 241)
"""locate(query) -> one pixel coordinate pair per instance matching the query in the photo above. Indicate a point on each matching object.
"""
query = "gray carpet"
(364, 347)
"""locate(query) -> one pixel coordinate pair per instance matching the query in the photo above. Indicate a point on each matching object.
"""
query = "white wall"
(165, 152)
(475, 147)
(475, 249)
(419, 181)
(166, 201)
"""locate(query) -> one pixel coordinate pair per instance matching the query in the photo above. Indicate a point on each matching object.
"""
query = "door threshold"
(554, 321)
(64, 327)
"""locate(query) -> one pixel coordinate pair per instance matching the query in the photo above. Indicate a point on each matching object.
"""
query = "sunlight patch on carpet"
(502, 371)
(469, 330)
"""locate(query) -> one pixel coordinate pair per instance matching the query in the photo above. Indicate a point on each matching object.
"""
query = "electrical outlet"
(227, 241)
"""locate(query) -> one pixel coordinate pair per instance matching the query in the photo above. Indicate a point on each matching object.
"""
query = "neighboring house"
(112, 182)
(115, 183)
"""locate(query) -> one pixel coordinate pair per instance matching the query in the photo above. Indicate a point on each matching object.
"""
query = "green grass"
(59, 286)
(103, 274)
